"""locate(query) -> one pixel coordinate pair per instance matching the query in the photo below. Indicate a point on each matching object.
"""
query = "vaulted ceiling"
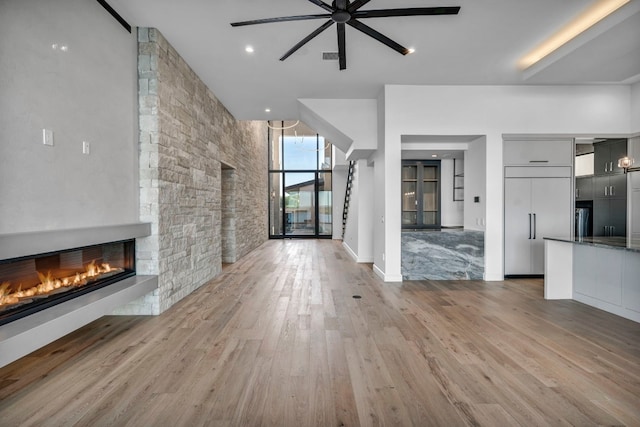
(479, 46)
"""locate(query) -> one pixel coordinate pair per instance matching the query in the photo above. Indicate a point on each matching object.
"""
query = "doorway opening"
(228, 214)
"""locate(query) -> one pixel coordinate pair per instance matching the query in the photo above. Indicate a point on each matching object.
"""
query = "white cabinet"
(538, 152)
(607, 278)
(534, 208)
(583, 279)
(631, 282)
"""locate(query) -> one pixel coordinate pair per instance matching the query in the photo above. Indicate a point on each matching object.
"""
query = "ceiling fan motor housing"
(341, 16)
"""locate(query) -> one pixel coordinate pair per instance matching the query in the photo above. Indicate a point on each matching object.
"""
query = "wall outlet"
(47, 137)
(86, 147)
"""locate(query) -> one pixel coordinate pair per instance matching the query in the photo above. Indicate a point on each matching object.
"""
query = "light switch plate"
(86, 147)
(47, 137)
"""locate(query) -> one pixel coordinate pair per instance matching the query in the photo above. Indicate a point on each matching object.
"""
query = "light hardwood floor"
(278, 339)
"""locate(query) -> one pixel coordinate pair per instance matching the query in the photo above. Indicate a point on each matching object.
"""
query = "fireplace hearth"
(54, 282)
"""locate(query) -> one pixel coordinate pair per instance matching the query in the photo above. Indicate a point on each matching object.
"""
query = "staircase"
(347, 196)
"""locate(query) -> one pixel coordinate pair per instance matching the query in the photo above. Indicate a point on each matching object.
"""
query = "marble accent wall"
(453, 254)
(186, 135)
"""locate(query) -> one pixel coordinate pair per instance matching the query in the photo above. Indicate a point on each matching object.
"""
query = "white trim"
(350, 251)
(355, 256)
(386, 277)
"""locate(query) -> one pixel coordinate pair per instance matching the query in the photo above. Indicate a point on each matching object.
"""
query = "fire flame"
(49, 283)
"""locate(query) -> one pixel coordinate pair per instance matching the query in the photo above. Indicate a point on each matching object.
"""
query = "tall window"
(300, 197)
(421, 194)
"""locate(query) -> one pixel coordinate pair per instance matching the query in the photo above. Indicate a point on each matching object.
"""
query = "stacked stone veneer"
(186, 135)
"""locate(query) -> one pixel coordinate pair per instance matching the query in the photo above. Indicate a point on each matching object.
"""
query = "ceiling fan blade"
(342, 52)
(378, 36)
(357, 5)
(410, 11)
(322, 5)
(281, 19)
(306, 39)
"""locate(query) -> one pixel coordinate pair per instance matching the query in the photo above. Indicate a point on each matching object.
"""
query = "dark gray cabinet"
(609, 189)
(584, 188)
(610, 217)
(606, 155)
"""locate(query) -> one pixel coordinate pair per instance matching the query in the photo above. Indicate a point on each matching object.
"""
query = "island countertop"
(621, 243)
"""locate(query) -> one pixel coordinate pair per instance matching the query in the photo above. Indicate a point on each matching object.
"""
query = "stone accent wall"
(186, 135)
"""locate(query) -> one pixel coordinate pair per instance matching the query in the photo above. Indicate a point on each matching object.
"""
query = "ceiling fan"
(343, 12)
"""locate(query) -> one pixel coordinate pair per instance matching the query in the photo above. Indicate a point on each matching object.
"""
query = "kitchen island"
(603, 272)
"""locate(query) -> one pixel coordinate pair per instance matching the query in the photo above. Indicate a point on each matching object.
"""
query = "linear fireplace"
(54, 282)
(33, 283)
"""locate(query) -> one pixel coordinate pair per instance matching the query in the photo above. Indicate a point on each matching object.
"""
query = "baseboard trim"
(355, 256)
(386, 277)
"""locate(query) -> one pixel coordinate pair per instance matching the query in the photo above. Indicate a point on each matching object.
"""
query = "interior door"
(517, 226)
(551, 207)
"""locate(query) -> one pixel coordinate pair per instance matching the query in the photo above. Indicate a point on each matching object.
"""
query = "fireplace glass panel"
(30, 284)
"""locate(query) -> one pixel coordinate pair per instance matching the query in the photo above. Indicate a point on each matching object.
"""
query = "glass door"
(430, 196)
(420, 194)
(300, 184)
(409, 195)
(300, 204)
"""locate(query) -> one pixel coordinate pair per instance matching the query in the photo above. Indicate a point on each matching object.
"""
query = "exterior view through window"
(300, 198)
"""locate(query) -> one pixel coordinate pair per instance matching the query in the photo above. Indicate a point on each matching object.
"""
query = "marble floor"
(453, 254)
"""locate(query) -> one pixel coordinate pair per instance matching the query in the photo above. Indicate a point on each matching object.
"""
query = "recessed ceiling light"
(587, 19)
(267, 110)
(411, 50)
(434, 155)
(248, 49)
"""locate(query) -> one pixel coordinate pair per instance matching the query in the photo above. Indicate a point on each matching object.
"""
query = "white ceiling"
(480, 45)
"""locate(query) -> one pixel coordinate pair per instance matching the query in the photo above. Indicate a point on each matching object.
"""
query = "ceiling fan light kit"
(345, 12)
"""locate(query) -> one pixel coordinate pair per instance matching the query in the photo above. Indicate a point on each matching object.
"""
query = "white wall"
(365, 218)
(452, 212)
(379, 206)
(353, 118)
(475, 185)
(490, 111)
(86, 93)
(635, 108)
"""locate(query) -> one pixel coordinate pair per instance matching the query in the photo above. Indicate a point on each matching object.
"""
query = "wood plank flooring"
(278, 339)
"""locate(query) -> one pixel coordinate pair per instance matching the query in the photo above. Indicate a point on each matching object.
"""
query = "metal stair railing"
(347, 196)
